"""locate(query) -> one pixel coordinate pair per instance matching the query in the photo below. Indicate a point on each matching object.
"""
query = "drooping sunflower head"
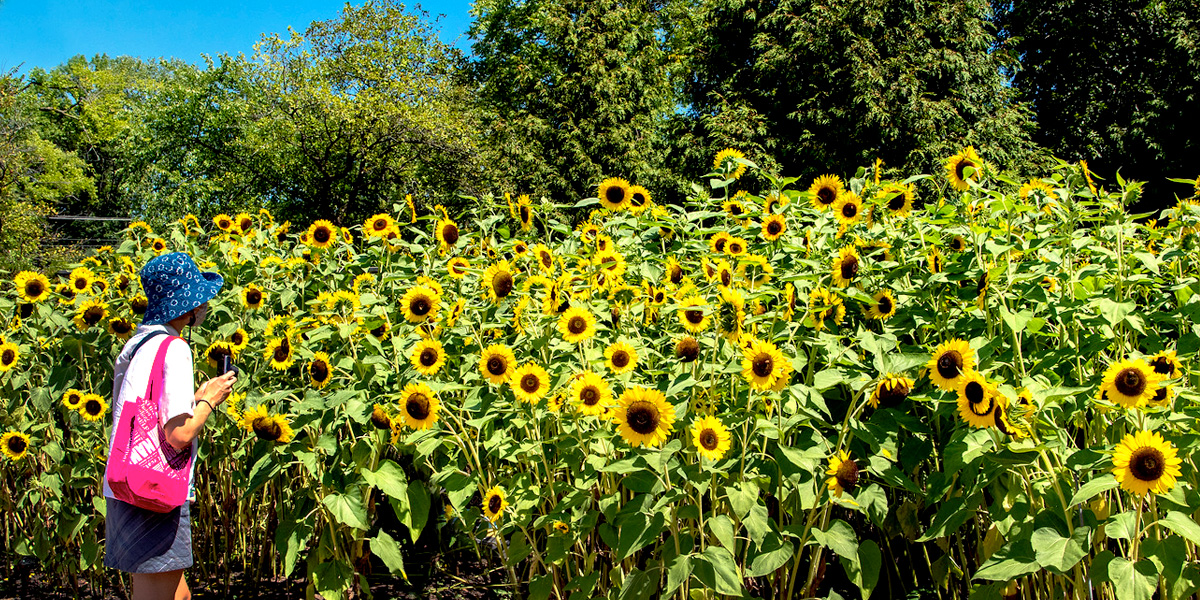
(977, 400)
(687, 349)
(428, 356)
(1166, 364)
(14, 445)
(31, 286)
(419, 406)
(848, 208)
(950, 362)
(138, 304)
(320, 371)
(883, 305)
(825, 191)
(591, 394)
(614, 193)
(1144, 462)
(846, 266)
(711, 438)
(1130, 383)
(322, 234)
(643, 416)
(120, 327)
(843, 474)
(92, 407)
(498, 281)
(773, 227)
(420, 303)
(934, 261)
(620, 358)
(497, 363)
(380, 418)
(891, 391)
(577, 324)
(958, 243)
(494, 503)
(962, 166)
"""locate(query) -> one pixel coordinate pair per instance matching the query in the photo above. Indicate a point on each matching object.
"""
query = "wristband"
(211, 408)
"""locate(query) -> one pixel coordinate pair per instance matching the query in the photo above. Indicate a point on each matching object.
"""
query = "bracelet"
(211, 408)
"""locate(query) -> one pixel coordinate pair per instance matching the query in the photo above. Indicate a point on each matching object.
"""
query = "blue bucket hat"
(174, 285)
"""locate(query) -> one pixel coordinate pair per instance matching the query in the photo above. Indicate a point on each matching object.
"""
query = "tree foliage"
(1114, 83)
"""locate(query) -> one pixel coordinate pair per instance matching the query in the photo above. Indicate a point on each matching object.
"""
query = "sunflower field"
(952, 386)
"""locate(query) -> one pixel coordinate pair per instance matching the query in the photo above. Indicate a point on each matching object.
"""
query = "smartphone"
(226, 363)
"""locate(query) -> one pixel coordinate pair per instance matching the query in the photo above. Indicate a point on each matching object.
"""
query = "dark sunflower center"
(981, 285)
(957, 244)
(1130, 382)
(319, 371)
(502, 284)
(642, 417)
(217, 353)
(763, 365)
(614, 195)
(237, 338)
(92, 407)
(81, 283)
(949, 364)
(530, 383)
(639, 199)
(380, 419)
(620, 359)
(1160, 395)
(676, 274)
(719, 245)
(225, 224)
(72, 399)
(34, 288)
(896, 203)
(379, 331)
(774, 228)
(93, 315)
(961, 169)
(577, 325)
(736, 210)
(379, 224)
(121, 326)
(984, 408)
(246, 224)
(709, 439)
(495, 502)
(687, 350)
(849, 267)
(850, 210)
(267, 429)
(17, 444)
(847, 474)
(322, 235)
(429, 357)
(525, 215)
(974, 392)
(547, 260)
(695, 317)
(589, 395)
(735, 248)
(1161, 365)
(282, 351)
(726, 277)
(894, 396)
(417, 406)
(826, 195)
(496, 366)
(138, 305)
(885, 305)
(1147, 464)
(8, 357)
(419, 306)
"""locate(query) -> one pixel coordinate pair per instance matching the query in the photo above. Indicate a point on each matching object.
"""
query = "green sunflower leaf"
(1133, 581)
(1058, 553)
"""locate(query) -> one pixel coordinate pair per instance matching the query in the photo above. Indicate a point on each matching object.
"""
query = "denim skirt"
(137, 540)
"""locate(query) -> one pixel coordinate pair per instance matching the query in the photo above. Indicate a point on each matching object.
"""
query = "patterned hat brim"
(199, 293)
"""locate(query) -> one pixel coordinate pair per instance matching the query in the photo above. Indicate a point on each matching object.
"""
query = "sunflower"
(890, 391)
(934, 260)
(525, 214)
(639, 199)
(81, 280)
(1130, 383)
(457, 267)
(31, 286)
(762, 364)
(883, 306)
(754, 269)
(529, 382)
(723, 273)
(692, 314)
(561, 527)
(825, 191)
(958, 243)
(687, 349)
(216, 351)
(138, 304)
(735, 246)
(1166, 364)
(773, 227)
(280, 353)
(1036, 185)
(591, 394)
(577, 324)
(494, 503)
(1145, 462)
(419, 406)
(223, 222)
(977, 400)
(92, 407)
(496, 363)
(848, 208)
(843, 474)
(498, 281)
(728, 163)
(957, 165)
(379, 225)
(643, 416)
(717, 242)
(14, 445)
(950, 362)
(614, 193)
(272, 428)
(72, 399)
(90, 313)
(620, 358)
(320, 372)
(898, 198)
(824, 304)
(845, 266)
(711, 437)
(447, 233)
(321, 234)
(428, 356)
(734, 208)
(120, 327)
(419, 304)
(380, 419)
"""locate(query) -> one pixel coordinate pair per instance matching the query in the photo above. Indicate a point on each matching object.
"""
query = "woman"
(157, 547)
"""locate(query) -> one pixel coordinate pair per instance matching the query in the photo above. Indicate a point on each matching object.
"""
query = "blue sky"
(45, 33)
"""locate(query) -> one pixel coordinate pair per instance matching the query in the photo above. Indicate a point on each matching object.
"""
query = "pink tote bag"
(143, 469)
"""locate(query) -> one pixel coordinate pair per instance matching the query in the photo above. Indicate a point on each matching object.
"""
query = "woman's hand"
(215, 390)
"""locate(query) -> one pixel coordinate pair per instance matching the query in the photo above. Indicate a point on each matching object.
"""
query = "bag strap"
(143, 341)
(155, 384)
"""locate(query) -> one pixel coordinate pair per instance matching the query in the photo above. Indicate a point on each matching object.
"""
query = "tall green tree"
(572, 91)
(808, 86)
(1115, 83)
